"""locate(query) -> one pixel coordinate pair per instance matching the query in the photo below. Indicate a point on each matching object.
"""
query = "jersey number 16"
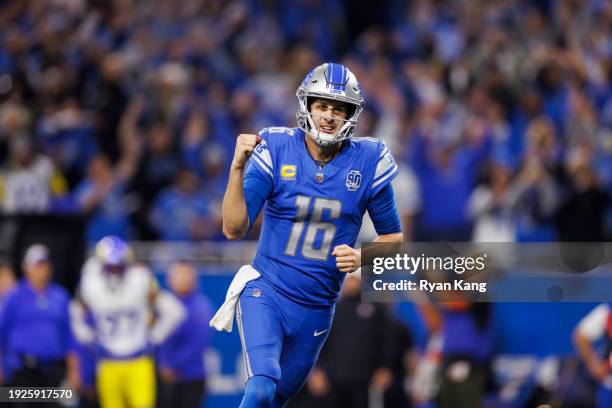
(314, 226)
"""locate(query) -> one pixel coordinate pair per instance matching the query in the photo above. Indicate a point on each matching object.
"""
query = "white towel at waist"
(224, 318)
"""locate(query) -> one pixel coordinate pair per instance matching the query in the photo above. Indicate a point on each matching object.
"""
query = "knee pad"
(259, 392)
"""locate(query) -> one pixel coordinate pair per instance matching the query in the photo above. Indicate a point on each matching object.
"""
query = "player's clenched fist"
(244, 148)
(347, 259)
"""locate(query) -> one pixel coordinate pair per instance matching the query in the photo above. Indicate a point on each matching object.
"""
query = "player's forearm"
(396, 237)
(170, 313)
(597, 367)
(585, 349)
(72, 370)
(83, 333)
(368, 253)
(234, 208)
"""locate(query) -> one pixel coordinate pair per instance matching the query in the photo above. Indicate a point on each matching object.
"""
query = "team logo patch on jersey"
(256, 292)
(288, 172)
(353, 180)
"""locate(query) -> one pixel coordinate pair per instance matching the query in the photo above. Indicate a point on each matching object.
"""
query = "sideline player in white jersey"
(596, 328)
(121, 312)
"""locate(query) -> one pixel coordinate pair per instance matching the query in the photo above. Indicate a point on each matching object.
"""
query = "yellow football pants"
(126, 383)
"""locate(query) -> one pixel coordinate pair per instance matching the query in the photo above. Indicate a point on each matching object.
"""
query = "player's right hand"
(598, 370)
(348, 259)
(245, 144)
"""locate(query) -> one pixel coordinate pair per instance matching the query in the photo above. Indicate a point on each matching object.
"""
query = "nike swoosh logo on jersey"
(318, 333)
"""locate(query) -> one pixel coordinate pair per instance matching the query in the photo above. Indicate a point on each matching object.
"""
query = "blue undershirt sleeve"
(383, 212)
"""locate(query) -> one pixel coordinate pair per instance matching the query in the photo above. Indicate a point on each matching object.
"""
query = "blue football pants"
(280, 339)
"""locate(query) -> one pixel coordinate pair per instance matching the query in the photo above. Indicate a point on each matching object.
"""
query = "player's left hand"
(347, 259)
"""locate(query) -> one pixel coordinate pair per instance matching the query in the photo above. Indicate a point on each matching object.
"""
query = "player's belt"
(106, 355)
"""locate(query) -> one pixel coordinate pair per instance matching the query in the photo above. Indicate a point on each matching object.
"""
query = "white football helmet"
(114, 254)
(335, 82)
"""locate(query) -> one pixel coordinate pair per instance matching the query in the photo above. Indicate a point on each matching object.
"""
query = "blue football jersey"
(311, 209)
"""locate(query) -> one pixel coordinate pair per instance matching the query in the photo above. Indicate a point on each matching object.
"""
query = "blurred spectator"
(100, 196)
(404, 358)
(15, 123)
(408, 197)
(318, 23)
(7, 283)
(181, 355)
(593, 327)
(357, 359)
(214, 162)
(31, 181)
(537, 198)
(581, 216)
(541, 143)
(492, 206)
(181, 212)
(582, 127)
(170, 86)
(35, 336)
(157, 169)
(246, 104)
(194, 140)
(214, 159)
(447, 172)
(467, 345)
(425, 382)
(107, 95)
(66, 136)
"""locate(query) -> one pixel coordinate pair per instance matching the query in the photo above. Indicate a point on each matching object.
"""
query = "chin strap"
(316, 134)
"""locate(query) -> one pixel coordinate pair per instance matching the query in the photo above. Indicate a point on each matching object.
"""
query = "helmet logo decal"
(307, 78)
(337, 77)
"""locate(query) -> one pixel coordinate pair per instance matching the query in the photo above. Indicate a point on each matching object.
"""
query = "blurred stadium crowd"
(499, 111)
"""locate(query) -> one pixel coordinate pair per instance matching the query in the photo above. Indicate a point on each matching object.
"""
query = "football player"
(122, 313)
(595, 327)
(317, 181)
